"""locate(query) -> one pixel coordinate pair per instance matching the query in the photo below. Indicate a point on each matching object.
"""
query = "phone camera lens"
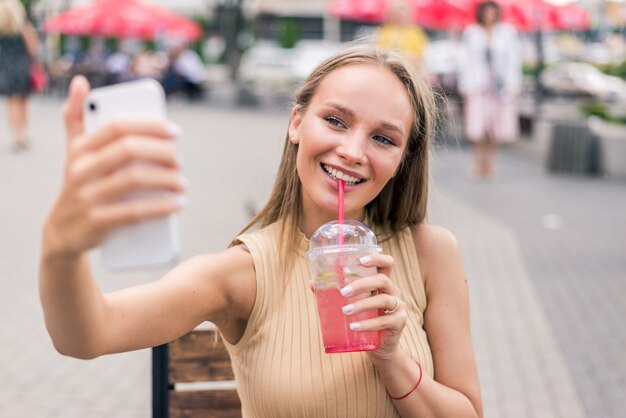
(92, 106)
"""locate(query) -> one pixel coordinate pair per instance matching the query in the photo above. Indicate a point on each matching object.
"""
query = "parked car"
(582, 79)
(268, 69)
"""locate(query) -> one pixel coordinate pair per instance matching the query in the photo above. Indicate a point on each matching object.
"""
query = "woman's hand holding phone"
(122, 156)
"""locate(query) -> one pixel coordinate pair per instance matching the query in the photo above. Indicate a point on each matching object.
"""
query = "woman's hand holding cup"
(385, 297)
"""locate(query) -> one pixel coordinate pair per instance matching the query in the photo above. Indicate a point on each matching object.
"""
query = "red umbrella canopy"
(525, 15)
(533, 15)
(431, 14)
(572, 17)
(361, 10)
(443, 14)
(528, 15)
(123, 19)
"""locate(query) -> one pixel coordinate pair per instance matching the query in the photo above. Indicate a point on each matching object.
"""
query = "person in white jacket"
(489, 79)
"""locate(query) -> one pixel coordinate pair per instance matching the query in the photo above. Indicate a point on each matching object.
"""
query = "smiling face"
(356, 128)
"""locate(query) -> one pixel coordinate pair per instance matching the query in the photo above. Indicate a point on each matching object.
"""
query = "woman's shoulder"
(432, 235)
(438, 254)
(231, 270)
(267, 231)
(434, 245)
(227, 265)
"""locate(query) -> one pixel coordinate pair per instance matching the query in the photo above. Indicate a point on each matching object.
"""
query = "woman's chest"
(286, 373)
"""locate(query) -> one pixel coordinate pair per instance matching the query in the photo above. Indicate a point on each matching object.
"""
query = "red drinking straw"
(340, 213)
(341, 187)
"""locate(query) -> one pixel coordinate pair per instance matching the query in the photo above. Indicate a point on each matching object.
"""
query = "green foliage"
(288, 33)
(28, 5)
(601, 110)
(529, 69)
(617, 70)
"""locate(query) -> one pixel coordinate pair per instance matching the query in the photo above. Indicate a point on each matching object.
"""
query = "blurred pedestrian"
(119, 64)
(490, 80)
(148, 64)
(94, 64)
(18, 49)
(186, 73)
(400, 33)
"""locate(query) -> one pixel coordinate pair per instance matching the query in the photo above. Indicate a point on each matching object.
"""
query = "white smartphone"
(149, 243)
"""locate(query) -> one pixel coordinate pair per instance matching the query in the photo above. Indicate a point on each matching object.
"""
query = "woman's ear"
(294, 124)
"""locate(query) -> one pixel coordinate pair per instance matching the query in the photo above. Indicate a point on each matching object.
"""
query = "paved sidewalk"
(568, 233)
(545, 267)
(228, 163)
(523, 372)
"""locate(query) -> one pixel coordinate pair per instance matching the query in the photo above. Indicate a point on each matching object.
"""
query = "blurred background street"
(543, 242)
(544, 255)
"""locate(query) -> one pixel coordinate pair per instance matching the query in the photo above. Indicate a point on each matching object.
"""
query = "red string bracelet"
(412, 390)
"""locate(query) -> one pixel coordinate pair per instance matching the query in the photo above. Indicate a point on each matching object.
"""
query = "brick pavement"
(570, 234)
(39, 383)
(525, 371)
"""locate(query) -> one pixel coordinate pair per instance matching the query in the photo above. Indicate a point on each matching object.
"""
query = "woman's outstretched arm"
(82, 321)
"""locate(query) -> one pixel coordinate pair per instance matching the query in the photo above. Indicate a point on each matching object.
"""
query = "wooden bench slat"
(199, 356)
(216, 404)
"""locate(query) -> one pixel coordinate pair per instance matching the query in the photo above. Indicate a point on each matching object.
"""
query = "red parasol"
(533, 15)
(431, 14)
(572, 17)
(525, 15)
(443, 14)
(528, 15)
(123, 19)
(360, 10)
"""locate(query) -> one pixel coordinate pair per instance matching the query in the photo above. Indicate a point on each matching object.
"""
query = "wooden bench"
(192, 377)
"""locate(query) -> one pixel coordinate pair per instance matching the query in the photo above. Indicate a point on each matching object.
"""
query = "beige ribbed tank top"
(279, 363)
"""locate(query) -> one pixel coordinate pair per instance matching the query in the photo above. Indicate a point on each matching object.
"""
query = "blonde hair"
(402, 202)
(12, 17)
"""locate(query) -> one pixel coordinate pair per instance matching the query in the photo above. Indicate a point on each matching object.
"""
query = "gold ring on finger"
(395, 308)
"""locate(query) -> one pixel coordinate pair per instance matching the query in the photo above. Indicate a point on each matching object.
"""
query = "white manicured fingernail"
(347, 309)
(365, 259)
(184, 183)
(174, 130)
(355, 325)
(346, 291)
(181, 201)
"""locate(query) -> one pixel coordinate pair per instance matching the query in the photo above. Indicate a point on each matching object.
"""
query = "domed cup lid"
(356, 237)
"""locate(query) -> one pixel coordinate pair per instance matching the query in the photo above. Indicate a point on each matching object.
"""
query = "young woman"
(490, 79)
(18, 47)
(363, 115)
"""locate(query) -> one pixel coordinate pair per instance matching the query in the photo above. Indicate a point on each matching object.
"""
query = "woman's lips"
(340, 174)
(333, 182)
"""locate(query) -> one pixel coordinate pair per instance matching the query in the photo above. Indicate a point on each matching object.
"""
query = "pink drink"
(336, 332)
(334, 252)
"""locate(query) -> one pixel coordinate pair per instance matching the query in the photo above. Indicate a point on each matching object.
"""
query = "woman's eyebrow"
(392, 127)
(341, 109)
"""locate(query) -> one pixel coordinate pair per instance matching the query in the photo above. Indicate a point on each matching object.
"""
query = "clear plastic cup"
(334, 252)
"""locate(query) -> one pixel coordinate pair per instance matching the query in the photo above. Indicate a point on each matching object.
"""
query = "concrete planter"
(613, 143)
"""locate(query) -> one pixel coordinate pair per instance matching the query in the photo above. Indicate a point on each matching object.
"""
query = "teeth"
(341, 176)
